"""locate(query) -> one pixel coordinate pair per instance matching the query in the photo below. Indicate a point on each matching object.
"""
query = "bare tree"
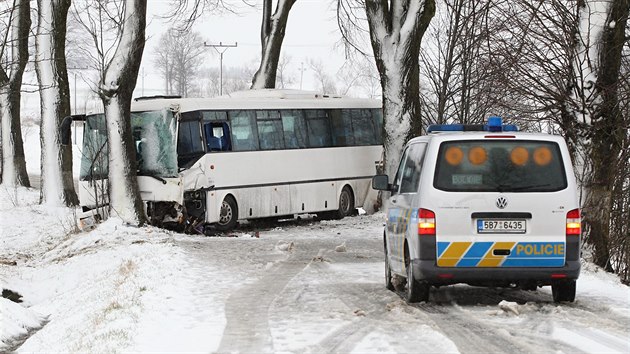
(117, 32)
(57, 185)
(283, 78)
(271, 37)
(396, 30)
(602, 117)
(325, 82)
(15, 40)
(178, 58)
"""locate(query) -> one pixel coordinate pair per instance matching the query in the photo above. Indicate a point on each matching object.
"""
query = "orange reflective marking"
(519, 156)
(490, 260)
(453, 254)
(454, 155)
(477, 155)
(542, 156)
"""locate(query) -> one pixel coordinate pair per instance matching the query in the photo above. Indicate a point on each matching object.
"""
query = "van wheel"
(388, 272)
(229, 214)
(416, 290)
(563, 291)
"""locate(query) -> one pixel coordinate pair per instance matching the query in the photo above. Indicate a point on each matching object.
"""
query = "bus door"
(217, 136)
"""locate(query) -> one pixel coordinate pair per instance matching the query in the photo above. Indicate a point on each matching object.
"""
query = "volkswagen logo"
(501, 202)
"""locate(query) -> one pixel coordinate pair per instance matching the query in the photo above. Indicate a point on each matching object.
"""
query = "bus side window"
(217, 136)
(294, 128)
(270, 130)
(362, 126)
(342, 128)
(318, 127)
(377, 117)
(244, 132)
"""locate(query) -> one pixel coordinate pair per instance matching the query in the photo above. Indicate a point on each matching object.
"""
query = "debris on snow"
(320, 256)
(508, 306)
(359, 313)
(285, 246)
(341, 248)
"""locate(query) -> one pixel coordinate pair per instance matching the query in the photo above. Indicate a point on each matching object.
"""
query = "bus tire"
(346, 203)
(228, 216)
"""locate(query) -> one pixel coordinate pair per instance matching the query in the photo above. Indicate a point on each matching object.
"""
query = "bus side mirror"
(381, 183)
(64, 131)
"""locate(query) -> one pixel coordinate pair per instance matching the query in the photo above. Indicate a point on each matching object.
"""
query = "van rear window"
(500, 166)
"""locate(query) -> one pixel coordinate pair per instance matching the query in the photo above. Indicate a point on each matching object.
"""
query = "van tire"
(228, 216)
(416, 290)
(388, 272)
(563, 291)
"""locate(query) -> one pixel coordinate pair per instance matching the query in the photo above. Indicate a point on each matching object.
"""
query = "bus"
(205, 163)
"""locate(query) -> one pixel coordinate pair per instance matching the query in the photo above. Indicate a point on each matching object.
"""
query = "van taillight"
(426, 222)
(574, 224)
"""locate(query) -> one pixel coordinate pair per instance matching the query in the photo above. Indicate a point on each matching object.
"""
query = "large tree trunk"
(606, 132)
(396, 30)
(57, 186)
(271, 36)
(116, 90)
(13, 161)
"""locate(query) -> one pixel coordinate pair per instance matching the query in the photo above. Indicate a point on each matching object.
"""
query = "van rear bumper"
(427, 270)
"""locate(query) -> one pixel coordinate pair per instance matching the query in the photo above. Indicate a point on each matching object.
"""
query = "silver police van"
(484, 205)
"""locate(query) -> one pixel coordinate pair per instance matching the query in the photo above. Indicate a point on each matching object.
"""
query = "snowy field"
(294, 287)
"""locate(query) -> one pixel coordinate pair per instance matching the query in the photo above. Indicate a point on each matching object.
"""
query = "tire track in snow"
(247, 310)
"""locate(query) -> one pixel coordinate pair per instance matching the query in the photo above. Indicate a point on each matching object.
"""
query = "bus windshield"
(154, 134)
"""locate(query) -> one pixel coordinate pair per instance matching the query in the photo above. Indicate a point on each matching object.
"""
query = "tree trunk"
(57, 185)
(13, 160)
(606, 133)
(116, 90)
(272, 34)
(396, 32)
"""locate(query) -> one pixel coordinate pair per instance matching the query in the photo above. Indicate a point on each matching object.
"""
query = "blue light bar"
(495, 124)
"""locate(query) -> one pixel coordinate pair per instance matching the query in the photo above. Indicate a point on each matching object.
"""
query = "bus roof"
(258, 99)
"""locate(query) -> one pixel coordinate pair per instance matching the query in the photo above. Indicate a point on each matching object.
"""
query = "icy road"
(318, 287)
(297, 286)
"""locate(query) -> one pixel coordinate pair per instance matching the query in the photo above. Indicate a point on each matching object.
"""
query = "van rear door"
(501, 202)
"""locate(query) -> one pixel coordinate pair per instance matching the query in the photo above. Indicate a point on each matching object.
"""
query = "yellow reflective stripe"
(453, 254)
(490, 260)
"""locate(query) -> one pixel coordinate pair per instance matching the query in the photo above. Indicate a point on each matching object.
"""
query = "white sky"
(311, 34)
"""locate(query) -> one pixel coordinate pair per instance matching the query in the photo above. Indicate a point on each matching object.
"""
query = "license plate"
(500, 226)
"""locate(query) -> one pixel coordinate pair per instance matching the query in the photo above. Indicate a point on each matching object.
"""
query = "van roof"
(450, 136)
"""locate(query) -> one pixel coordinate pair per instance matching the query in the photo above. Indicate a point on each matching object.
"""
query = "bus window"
(342, 129)
(294, 128)
(244, 135)
(217, 136)
(269, 130)
(362, 126)
(211, 116)
(377, 116)
(318, 128)
(189, 138)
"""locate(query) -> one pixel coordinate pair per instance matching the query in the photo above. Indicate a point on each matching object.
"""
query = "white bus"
(251, 155)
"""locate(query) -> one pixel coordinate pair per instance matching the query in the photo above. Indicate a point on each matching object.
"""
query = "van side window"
(399, 172)
(412, 168)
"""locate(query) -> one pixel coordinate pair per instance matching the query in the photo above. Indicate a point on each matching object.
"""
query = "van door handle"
(394, 201)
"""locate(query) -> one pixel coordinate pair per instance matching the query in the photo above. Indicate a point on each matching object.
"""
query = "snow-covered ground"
(300, 286)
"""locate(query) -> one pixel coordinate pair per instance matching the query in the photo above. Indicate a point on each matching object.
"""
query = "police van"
(484, 205)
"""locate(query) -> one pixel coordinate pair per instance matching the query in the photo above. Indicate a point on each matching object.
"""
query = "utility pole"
(301, 73)
(221, 48)
(75, 97)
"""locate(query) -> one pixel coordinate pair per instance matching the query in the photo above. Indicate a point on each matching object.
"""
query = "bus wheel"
(229, 214)
(346, 203)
